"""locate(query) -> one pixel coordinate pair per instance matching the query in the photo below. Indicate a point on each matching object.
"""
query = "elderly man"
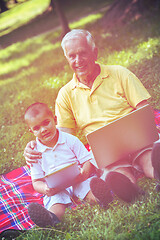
(97, 95)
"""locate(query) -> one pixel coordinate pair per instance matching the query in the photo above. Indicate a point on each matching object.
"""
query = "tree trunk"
(3, 6)
(122, 11)
(62, 18)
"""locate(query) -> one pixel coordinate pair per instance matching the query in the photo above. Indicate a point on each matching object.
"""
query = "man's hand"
(31, 155)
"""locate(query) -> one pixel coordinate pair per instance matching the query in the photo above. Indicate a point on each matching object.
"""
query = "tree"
(3, 6)
(57, 4)
(122, 11)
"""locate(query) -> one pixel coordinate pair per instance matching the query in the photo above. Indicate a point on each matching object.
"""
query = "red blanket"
(16, 193)
(157, 118)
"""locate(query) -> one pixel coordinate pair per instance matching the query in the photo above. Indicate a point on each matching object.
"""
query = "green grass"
(121, 221)
(21, 14)
(35, 70)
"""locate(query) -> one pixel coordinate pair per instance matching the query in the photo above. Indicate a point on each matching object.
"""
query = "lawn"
(35, 69)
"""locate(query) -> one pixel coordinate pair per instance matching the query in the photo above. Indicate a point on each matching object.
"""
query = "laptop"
(124, 136)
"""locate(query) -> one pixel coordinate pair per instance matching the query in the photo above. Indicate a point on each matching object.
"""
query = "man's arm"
(32, 155)
(142, 104)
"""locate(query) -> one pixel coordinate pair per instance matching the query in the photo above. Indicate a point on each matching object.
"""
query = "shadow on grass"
(41, 24)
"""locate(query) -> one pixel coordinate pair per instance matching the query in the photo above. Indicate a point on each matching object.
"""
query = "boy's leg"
(41, 216)
(83, 191)
(58, 209)
(56, 206)
(104, 201)
(90, 197)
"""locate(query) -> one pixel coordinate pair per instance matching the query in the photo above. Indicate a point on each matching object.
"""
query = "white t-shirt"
(68, 149)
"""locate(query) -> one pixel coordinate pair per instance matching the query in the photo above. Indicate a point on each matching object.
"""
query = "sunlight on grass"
(21, 14)
(22, 95)
(57, 81)
(145, 50)
(86, 20)
(19, 48)
(34, 70)
(23, 60)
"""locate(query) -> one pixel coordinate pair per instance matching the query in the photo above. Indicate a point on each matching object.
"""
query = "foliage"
(21, 14)
(139, 220)
(35, 69)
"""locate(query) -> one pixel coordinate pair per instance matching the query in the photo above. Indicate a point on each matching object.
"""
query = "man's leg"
(99, 193)
(149, 161)
(145, 162)
(122, 186)
(119, 180)
(126, 171)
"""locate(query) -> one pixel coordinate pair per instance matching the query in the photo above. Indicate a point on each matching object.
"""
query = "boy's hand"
(86, 170)
(80, 178)
(31, 155)
(50, 191)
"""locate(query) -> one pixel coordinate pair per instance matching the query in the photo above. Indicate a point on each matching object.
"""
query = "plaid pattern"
(16, 193)
(157, 118)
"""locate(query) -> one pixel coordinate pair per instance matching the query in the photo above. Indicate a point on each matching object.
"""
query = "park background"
(33, 68)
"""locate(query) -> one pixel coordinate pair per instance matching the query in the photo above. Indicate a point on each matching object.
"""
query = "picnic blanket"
(157, 118)
(16, 193)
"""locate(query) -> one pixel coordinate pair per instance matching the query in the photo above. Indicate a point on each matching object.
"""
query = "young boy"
(57, 148)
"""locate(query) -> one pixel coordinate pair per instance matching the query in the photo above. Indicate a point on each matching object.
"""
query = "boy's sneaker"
(101, 192)
(155, 158)
(11, 234)
(41, 216)
(122, 187)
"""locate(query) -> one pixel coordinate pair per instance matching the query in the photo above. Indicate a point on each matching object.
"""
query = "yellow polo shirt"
(115, 93)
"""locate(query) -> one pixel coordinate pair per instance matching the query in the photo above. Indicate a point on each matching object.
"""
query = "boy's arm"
(41, 187)
(86, 171)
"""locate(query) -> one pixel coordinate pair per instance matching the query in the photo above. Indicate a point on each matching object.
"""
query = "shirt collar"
(76, 83)
(42, 148)
(103, 74)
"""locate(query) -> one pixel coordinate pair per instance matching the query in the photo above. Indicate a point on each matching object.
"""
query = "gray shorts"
(64, 197)
(131, 161)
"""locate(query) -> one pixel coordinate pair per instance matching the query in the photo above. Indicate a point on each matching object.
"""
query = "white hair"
(75, 34)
